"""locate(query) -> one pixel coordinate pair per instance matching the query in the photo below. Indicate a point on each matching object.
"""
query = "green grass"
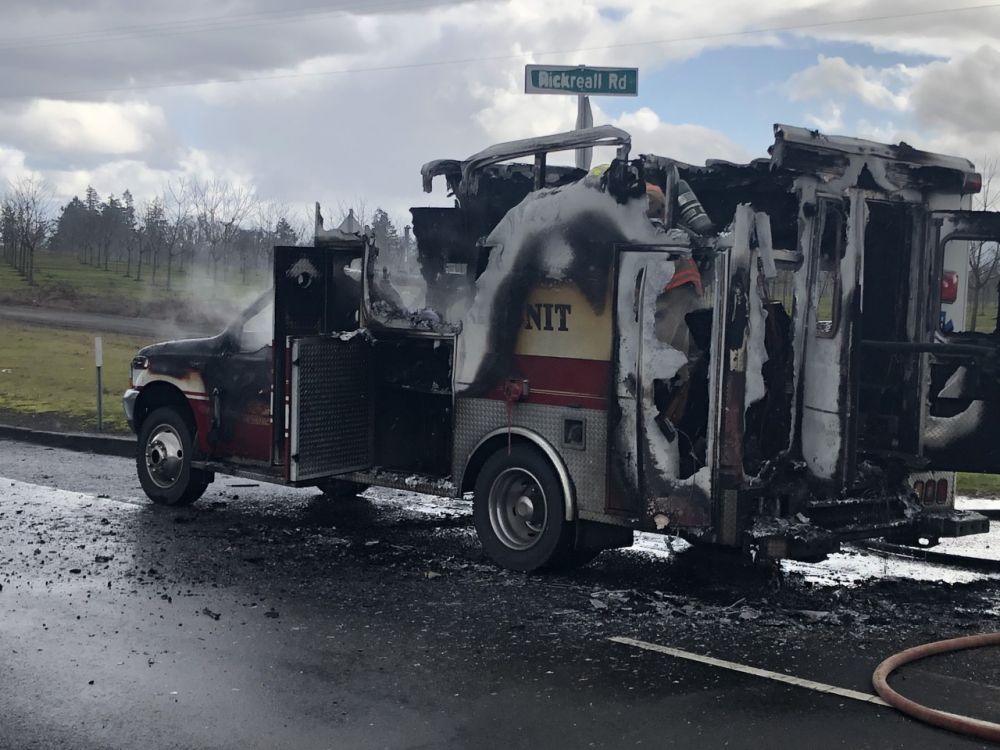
(62, 281)
(978, 485)
(987, 319)
(50, 372)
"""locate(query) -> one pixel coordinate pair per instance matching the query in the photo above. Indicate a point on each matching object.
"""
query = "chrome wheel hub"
(164, 456)
(517, 508)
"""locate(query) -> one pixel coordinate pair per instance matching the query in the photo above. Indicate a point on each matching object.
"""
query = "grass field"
(61, 281)
(47, 374)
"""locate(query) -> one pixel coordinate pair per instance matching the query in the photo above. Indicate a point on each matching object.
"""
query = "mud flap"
(952, 523)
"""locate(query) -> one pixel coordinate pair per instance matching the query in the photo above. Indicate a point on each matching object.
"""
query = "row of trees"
(214, 225)
(24, 224)
(212, 229)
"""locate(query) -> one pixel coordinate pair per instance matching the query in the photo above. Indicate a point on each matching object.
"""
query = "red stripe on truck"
(561, 381)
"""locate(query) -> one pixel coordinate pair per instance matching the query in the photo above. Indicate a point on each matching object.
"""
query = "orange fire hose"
(985, 730)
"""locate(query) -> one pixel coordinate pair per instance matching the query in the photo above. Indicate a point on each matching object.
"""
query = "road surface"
(265, 617)
(101, 323)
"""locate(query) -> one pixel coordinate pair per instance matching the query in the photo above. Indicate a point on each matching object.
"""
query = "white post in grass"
(99, 359)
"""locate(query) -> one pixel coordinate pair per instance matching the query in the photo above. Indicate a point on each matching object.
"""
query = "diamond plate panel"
(331, 407)
(475, 418)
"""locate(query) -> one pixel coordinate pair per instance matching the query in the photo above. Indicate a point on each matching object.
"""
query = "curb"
(85, 442)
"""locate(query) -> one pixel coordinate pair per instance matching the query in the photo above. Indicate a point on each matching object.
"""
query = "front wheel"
(166, 448)
(519, 511)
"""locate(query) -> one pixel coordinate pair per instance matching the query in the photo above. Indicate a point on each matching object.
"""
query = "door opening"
(887, 379)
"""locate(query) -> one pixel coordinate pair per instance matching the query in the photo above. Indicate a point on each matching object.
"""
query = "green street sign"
(580, 80)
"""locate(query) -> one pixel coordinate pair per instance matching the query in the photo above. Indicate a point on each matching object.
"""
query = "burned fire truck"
(764, 356)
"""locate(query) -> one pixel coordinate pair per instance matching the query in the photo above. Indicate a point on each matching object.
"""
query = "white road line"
(819, 687)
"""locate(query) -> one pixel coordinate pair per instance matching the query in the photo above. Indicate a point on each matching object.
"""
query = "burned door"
(961, 430)
(828, 401)
(330, 406)
(729, 381)
(317, 292)
(239, 382)
(892, 302)
(658, 439)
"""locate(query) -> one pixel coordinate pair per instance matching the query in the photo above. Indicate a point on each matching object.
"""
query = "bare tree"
(177, 200)
(269, 216)
(27, 207)
(220, 209)
(984, 256)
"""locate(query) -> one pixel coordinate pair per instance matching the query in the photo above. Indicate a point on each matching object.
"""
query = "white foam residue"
(756, 351)
(626, 373)
(702, 479)
(657, 361)
(846, 568)
(942, 431)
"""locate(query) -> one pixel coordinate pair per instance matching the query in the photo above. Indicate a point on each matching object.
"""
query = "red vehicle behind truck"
(765, 356)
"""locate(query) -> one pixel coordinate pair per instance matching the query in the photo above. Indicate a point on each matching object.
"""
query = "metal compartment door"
(330, 407)
(961, 430)
(827, 399)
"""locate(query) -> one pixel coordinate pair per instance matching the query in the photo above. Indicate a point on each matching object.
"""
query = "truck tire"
(163, 461)
(519, 512)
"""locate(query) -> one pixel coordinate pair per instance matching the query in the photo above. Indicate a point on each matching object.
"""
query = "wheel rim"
(517, 508)
(164, 456)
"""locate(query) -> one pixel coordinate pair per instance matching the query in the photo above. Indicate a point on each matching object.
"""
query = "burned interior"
(516, 227)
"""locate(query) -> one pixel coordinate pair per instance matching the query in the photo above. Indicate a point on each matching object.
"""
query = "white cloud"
(830, 121)
(114, 176)
(684, 142)
(950, 106)
(95, 127)
(833, 76)
(962, 94)
(336, 137)
(13, 166)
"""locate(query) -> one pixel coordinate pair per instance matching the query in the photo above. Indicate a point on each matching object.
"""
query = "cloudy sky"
(342, 100)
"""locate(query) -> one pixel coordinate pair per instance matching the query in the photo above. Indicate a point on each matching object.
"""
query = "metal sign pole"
(99, 360)
(582, 81)
(584, 120)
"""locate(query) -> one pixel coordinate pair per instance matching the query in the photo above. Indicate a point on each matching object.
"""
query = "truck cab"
(759, 356)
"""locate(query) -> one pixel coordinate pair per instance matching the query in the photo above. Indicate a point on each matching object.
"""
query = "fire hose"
(985, 730)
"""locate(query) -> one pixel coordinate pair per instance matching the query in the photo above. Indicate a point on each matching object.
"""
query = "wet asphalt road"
(103, 322)
(268, 617)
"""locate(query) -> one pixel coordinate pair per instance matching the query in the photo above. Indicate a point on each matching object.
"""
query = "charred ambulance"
(756, 355)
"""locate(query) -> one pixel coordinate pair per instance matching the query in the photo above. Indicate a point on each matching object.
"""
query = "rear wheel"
(519, 512)
(163, 462)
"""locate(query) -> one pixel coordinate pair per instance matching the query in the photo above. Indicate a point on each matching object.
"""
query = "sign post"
(99, 360)
(585, 82)
(584, 119)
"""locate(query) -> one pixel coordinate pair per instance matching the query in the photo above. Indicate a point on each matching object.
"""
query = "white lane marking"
(819, 687)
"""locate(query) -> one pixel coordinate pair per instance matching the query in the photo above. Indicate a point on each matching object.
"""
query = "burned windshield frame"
(235, 331)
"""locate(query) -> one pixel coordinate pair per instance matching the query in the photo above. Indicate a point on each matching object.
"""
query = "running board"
(425, 484)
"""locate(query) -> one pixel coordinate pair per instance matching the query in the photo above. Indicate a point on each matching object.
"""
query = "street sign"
(581, 79)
